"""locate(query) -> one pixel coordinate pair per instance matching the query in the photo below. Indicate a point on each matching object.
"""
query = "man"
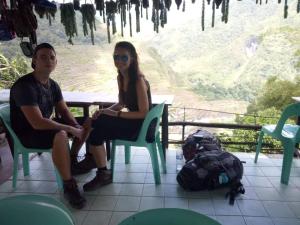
(32, 100)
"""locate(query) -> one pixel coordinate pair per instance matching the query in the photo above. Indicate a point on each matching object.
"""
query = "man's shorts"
(38, 138)
(42, 139)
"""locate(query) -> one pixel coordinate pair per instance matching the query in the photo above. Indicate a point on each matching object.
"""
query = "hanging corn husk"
(155, 14)
(218, 3)
(163, 16)
(168, 4)
(226, 10)
(285, 15)
(145, 4)
(68, 19)
(122, 9)
(76, 4)
(100, 6)
(298, 6)
(178, 3)
(88, 12)
(213, 13)
(203, 15)
(223, 10)
(111, 9)
(48, 12)
(137, 13)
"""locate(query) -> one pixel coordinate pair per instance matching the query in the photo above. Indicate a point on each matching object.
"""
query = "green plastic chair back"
(288, 134)
(168, 216)
(154, 114)
(18, 148)
(34, 210)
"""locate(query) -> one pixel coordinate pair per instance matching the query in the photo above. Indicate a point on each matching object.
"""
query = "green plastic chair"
(169, 216)
(18, 148)
(288, 134)
(34, 210)
(154, 113)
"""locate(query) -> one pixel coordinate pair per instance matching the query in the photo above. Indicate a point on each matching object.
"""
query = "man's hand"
(76, 132)
(96, 114)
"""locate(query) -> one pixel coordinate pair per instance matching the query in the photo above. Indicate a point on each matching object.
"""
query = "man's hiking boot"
(73, 195)
(84, 166)
(103, 177)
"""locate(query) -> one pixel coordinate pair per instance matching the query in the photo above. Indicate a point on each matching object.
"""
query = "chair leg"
(154, 160)
(161, 154)
(258, 147)
(25, 162)
(58, 179)
(112, 158)
(15, 172)
(127, 154)
(288, 153)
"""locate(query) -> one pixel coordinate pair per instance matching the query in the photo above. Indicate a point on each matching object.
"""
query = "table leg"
(164, 129)
(86, 114)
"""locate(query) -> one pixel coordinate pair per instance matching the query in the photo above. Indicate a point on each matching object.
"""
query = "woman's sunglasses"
(123, 58)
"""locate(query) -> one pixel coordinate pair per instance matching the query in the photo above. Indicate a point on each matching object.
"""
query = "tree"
(267, 116)
(275, 93)
(11, 70)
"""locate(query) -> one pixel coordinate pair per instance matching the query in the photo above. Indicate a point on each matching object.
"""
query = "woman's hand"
(109, 112)
(76, 132)
(96, 114)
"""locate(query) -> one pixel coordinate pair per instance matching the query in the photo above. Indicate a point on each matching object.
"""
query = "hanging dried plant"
(285, 9)
(100, 6)
(298, 6)
(279, 1)
(156, 4)
(183, 6)
(145, 4)
(88, 12)
(223, 10)
(203, 15)
(48, 12)
(168, 4)
(137, 13)
(163, 16)
(130, 24)
(111, 9)
(226, 10)
(68, 19)
(213, 13)
(178, 3)
(208, 2)
(218, 3)
(76, 4)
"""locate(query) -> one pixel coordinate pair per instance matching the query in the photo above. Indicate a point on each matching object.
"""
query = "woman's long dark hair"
(133, 69)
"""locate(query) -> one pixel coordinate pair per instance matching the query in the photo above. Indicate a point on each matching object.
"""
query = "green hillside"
(227, 63)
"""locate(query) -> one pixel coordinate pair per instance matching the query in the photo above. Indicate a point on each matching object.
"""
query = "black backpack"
(213, 169)
(200, 141)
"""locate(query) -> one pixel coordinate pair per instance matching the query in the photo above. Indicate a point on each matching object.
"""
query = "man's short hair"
(40, 46)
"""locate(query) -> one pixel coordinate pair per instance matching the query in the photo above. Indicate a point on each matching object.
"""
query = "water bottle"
(223, 178)
(179, 160)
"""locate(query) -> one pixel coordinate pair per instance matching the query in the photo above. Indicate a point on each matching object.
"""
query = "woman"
(114, 122)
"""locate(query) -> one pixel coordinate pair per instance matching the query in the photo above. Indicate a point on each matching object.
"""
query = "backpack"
(200, 141)
(213, 169)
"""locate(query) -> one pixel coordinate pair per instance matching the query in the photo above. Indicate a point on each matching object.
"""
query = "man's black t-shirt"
(27, 91)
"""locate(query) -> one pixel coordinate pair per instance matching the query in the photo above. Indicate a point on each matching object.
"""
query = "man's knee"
(61, 135)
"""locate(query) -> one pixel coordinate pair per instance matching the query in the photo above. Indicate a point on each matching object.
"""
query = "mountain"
(227, 63)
